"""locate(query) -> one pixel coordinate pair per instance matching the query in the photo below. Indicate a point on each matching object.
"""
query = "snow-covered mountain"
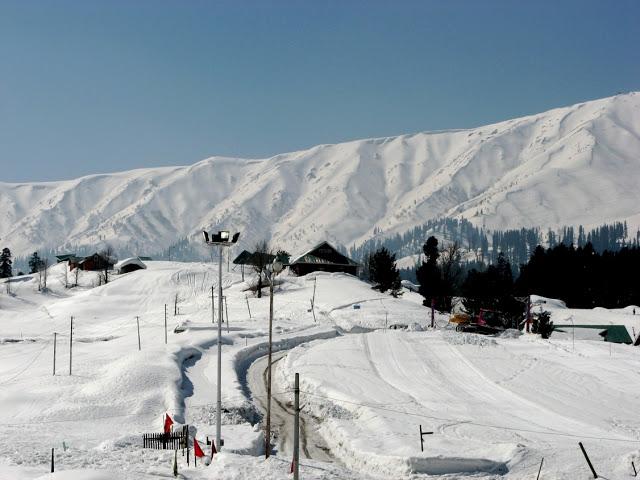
(568, 166)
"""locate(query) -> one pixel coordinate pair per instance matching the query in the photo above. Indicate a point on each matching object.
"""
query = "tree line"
(580, 276)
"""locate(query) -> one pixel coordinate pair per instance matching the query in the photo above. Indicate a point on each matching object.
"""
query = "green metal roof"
(610, 333)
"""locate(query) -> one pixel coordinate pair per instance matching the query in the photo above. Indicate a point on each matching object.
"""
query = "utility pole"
(138, 323)
(267, 437)
(71, 346)
(296, 428)
(219, 385)
(54, 352)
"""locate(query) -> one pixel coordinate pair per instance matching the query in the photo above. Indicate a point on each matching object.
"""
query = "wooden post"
(433, 314)
(296, 428)
(584, 452)
(70, 346)
(248, 308)
(267, 436)
(313, 300)
(138, 323)
(635, 472)
(540, 469)
(422, 434)
(54, 352)
(165, 323)
(52, 462)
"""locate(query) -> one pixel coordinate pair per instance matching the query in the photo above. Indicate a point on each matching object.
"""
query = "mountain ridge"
(567, 166)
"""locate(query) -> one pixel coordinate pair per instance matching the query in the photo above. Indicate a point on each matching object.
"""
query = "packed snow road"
(312, 446)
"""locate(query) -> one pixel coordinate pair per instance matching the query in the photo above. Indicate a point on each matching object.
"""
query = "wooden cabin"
(323, 258)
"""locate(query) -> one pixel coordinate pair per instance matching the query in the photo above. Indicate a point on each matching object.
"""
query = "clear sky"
(93, 86)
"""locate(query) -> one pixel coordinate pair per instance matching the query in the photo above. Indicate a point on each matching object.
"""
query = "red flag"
(167, 423)
(197, 451)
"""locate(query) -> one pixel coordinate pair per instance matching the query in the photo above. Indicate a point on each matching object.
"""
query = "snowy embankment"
(495, 405)
(94, 417)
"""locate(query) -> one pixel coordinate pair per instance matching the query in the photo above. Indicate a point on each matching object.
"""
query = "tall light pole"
(221, 239)
(274, 269)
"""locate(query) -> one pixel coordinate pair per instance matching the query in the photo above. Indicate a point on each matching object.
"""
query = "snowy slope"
(569, 166)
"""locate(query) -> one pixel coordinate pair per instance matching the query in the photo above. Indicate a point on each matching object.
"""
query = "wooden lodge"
(323, 258)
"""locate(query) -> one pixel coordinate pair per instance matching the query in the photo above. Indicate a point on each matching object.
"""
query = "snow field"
(496, 406)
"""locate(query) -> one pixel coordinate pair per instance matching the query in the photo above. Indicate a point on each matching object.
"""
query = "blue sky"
(98, 86)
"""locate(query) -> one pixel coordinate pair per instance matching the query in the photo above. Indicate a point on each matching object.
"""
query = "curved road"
(312, 445)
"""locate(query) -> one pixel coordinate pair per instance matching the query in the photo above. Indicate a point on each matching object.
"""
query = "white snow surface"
(568, 166)
(495, 405)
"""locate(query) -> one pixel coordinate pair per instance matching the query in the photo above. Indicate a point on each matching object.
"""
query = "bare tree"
(260, 258)
(43, 269)
(106, 255)
(176, 300)
(76, 276)
(451, 271)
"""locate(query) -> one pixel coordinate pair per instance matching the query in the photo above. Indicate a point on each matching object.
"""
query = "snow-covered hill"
(569, 166)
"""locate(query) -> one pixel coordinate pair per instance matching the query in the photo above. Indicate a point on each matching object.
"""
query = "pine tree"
(383, 272)
(5, 263)
(428, 274)
(35, 263)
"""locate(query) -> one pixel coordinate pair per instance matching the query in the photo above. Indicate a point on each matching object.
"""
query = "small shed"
(323, 258)
(130, 265)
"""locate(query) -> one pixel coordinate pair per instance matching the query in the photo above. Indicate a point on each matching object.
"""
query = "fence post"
(138, 323)
(165, 323)
(247, 299)
(584, 452)
(540, 469)
(635, 472)
(52, 461)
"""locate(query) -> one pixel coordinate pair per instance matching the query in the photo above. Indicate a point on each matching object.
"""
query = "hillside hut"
(323, 258)
(96, 262)
(130, 265)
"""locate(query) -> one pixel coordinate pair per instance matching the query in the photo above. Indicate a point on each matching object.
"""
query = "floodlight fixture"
(221, 239)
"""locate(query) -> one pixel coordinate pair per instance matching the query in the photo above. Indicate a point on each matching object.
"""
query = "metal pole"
(54, 352)
(296, 427)
(165, 323)
(267, 440)
(219, 386)
(138, 324)
(70, 346)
